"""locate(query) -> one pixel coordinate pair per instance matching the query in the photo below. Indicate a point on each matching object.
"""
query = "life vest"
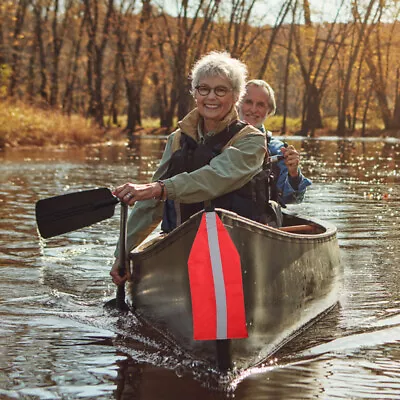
(275, 171)
(250, 201)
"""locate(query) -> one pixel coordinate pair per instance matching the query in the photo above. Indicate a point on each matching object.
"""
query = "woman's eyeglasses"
(219, 91)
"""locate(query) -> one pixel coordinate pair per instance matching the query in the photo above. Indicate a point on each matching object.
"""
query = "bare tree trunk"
(3, 58)
(139, 68)
(380, 91)
(307, 12)
(96, 48)
(313, 118)
(161, 100)
(316, 62)
(183, 87)
(57, 44)
(113, 113)
(287, 70)
(396, 112)
(67, 103)
(40, 24)
(363, 33)
(30, 89)
(275, 30)
(91, 110)
(236, 36)
(133, 117)
(364, 120)
(16, 47)
(136, 66)
(353, 118)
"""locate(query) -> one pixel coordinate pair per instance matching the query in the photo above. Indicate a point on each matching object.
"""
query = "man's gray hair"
(270, 93)
(221, 64)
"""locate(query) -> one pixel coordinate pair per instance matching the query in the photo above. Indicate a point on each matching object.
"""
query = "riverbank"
(27, 125)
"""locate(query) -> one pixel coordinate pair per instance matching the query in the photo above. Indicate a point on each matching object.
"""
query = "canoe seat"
(300, 229)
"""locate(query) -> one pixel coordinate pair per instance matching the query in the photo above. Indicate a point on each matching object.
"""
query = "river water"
(57, 341)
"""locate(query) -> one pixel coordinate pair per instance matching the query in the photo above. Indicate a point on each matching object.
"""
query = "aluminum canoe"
(291, 277)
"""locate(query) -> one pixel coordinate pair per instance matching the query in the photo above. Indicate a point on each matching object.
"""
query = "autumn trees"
(107, 59)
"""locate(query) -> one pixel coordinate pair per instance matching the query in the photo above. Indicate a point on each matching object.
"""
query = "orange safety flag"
(216, 285)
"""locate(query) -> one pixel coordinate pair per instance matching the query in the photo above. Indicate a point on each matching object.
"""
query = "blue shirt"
(290, 190)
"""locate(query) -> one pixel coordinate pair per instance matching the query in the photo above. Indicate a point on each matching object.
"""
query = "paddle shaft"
(223, 352)
(123, 261)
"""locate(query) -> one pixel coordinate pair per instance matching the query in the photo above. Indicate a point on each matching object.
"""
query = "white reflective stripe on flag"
(218, 275)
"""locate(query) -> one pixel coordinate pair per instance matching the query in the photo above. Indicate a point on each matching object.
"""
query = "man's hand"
(292, 160)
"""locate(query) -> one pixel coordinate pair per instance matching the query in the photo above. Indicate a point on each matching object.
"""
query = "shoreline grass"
(28, 125)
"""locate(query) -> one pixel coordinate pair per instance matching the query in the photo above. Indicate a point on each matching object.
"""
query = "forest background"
(76, 70)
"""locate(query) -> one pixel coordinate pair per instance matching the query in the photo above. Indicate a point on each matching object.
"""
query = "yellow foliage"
(22, 124)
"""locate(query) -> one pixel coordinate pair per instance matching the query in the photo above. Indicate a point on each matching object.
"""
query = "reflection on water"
(57, 342)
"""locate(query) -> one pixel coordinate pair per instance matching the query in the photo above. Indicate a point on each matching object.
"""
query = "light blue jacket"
(288, 194)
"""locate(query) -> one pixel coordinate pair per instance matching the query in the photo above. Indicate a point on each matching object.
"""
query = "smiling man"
(258, 103)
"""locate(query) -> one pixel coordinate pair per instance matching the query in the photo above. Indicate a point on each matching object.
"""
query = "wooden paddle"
(72, 211)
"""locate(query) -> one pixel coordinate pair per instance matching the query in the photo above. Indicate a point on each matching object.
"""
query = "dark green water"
(57, 342)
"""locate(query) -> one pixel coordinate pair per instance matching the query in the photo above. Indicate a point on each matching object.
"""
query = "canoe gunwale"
(232, 219)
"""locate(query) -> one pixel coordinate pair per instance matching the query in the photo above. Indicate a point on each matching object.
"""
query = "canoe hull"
(288, 281)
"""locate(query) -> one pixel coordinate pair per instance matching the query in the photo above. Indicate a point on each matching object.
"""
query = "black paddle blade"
(117, 305)
(72, 211)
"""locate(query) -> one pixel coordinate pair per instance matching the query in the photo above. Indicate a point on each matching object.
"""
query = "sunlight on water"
(57, 341)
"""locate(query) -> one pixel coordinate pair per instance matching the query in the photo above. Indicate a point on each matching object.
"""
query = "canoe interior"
(289, 280)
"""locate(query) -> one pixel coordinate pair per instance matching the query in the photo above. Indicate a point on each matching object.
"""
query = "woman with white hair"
(212, 156)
